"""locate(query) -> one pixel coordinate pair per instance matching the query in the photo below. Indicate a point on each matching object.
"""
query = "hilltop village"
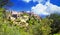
(21, 18)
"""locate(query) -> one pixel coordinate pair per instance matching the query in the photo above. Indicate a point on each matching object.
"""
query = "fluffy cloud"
(39, 9)
(52, 8)
(26, 1)
(46, 9)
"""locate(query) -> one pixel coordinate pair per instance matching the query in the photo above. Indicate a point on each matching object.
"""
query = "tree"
(39, 27)
(56, 23)
(4, 3)
(45, 26)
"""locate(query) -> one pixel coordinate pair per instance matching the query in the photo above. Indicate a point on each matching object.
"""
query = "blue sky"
(40, 7)
(21, 5)
(55, 2)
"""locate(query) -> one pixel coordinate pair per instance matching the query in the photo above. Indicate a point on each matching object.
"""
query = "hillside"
(22, 23)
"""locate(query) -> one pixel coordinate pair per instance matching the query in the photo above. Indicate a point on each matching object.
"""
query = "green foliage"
(36, 26)
(56, 34)
(40, 27)
(6, 28)
(56, 23)
(45, 26)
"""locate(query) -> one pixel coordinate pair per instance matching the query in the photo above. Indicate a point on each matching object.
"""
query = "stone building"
(13, 16)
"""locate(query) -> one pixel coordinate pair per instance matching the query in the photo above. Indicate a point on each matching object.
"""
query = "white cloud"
(28, 11)
(39, 9)
(46, 9)
(52, 8)
(39, 1)
(26, 1)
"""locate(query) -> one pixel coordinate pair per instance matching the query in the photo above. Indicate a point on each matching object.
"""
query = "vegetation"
(36, 26)
(56, 23)
(46, 26)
